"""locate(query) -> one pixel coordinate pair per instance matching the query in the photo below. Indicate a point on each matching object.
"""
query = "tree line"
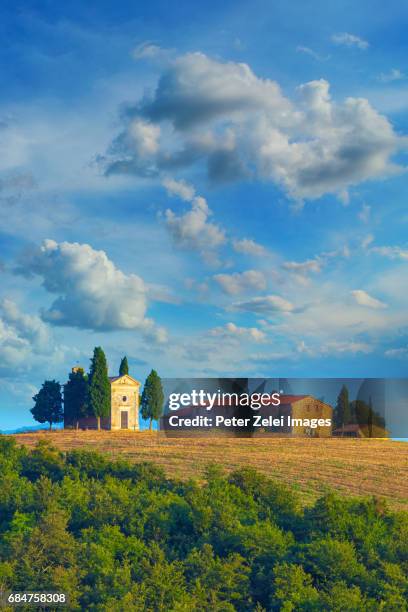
(356, 412)
(124, 537)
(89, 395)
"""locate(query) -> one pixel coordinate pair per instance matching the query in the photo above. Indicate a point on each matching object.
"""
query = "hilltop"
(357, 467)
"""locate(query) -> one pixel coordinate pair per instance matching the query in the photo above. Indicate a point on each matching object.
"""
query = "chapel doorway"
(124, 419)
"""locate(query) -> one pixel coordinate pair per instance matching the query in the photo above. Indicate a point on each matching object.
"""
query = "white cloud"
(28, 326)
(193, 230)
(330, 318)
(397, 352)
(364, 214)
(148, 50)
(266, 304)
(311, 53)
(14, 146)
(230, 330)
(162, 293)
(367, 240)
(196, 89)
(304, 267)
(141, 141)
(394, 75)
(334, 347)
(179, 188)
(23, 338)
(364, 299)
(392, 252)
(92, 292)
(221, 115)
(155, 334)
(249, 247)
(241, 282)
(145, 137)
(350, 40)
(347, 347)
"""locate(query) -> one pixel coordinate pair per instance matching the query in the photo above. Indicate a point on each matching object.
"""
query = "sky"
(212, 190)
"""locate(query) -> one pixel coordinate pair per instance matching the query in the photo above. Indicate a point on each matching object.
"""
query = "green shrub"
(119, 536)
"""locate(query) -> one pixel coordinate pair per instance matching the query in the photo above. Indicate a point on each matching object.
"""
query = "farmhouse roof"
(291, 399)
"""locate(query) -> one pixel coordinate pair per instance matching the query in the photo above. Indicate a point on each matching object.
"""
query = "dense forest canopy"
(120, 536)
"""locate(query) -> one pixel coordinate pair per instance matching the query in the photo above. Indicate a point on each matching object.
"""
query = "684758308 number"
(26, 598)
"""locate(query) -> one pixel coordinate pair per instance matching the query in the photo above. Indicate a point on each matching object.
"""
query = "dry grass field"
(357, 467)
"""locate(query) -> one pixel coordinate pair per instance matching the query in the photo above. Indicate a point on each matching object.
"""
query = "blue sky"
(211, 190)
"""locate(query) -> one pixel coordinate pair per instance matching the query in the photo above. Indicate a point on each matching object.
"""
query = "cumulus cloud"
(22, 336)
(266, 304)
(350, 40)
(249, 247)
(196, 89)
(364, 299)
(153, 333)
(192, 230)
(179, 188)
(230, 330)
(145, 137)
(241, 282)
(92, 292)
(141, 143)
(237, 125)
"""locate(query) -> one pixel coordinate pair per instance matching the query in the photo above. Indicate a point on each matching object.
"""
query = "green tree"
(48, 403)
(342, 410)
(152, 398)
(293, 589)
(360, 410)
(341, 597)
(75, 397)
(370, 418)
(124, 367)
(47, 559)
(99, 393)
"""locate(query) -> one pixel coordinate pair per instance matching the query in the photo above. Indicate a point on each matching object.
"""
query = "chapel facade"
(124, 414)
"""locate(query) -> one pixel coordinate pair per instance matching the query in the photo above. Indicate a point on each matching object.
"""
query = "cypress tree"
(75, 397)
(343, 414)
(124, 367)
(152, 398)
(370, 418)
(99, 392)
(48, 403)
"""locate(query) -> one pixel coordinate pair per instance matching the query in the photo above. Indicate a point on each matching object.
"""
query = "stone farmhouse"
(305, 407)
(297, 407)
